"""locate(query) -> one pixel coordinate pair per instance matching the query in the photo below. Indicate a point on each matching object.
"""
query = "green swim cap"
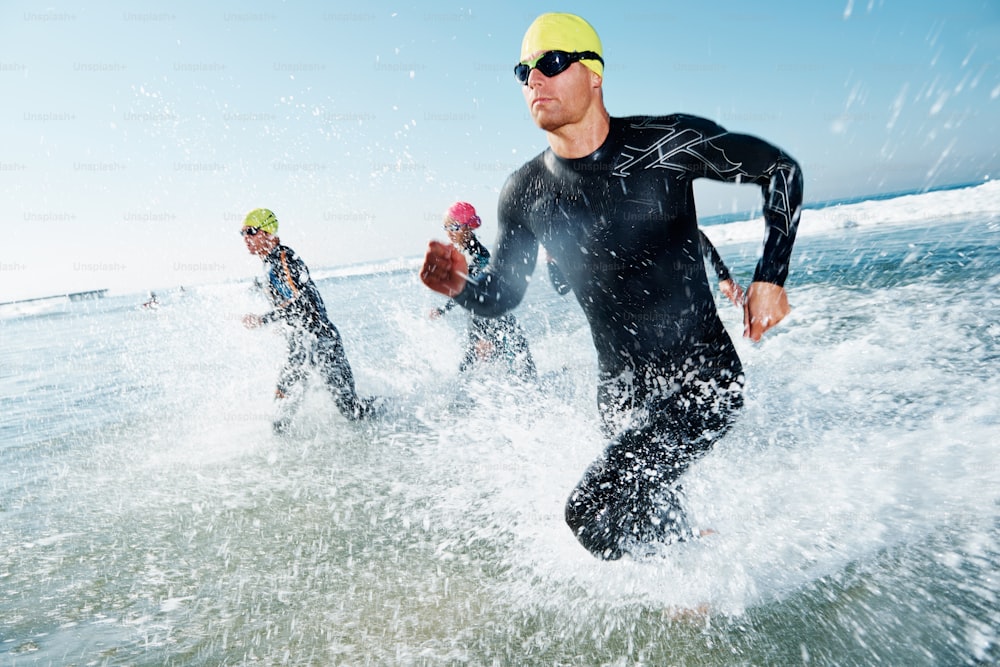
(263, 219)
(562, 32)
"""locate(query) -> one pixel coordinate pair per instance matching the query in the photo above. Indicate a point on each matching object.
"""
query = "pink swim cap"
(464, 214)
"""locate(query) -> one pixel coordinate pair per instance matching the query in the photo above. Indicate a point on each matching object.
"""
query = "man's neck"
(268, 249)
(583, 138)
(470, 245)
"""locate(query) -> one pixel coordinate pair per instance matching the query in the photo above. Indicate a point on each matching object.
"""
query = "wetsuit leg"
(291, 383)
(629, 498)
(502, 339)
(515, 347)
(332, 362)
(478, 333)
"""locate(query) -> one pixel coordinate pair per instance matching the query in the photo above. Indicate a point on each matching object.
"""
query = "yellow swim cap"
(562, 32)
(263, 219)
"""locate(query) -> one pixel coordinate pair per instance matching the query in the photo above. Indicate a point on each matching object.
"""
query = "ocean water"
(148, 515)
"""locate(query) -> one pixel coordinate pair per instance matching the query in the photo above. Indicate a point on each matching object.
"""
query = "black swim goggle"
(551, 63)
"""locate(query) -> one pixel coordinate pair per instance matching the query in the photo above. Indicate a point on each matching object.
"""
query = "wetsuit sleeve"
(741, 158)
(558, 280)
(712, 256)
(447, 307)
(501, 286)
(274, 314)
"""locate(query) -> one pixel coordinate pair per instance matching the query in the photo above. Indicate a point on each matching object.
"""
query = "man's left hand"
(252, 321)
(766, 304)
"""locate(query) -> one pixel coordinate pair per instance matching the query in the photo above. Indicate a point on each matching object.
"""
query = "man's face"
(257, 241)
(460, 236)
(559, 100)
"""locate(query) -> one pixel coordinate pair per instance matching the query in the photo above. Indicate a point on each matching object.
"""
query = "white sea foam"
(974, 201)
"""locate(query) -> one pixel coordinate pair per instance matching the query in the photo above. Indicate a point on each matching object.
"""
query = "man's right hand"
(732, 290)
(444, 269)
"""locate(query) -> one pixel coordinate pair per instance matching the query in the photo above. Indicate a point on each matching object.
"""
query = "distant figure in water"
(490, 340)
(151, 302)
(612, 201)
(312, 339)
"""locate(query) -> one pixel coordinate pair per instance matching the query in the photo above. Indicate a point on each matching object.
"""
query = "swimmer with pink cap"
(490, 339)
(459, 222)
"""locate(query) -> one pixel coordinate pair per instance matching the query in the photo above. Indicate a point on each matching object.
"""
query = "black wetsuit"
(493, 338)
(711, 255)
(557, 278)
(312, 338)
(622, 226)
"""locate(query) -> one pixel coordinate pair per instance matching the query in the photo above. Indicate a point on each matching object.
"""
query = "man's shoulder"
(533, 164)
(284, 256)
(283, 251)
(527, 171)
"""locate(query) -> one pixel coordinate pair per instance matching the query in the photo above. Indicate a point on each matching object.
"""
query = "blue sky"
(135, 137)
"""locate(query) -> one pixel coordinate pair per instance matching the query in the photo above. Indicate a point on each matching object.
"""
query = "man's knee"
(636, 522)
(628, 499)
(590, 526)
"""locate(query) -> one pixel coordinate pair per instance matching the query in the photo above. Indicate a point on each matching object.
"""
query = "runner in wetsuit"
(494, 338)
(612, 201)
(312, 338)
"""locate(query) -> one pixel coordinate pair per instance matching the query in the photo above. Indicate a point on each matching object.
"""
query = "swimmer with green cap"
(612, 199)
(313, 340)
